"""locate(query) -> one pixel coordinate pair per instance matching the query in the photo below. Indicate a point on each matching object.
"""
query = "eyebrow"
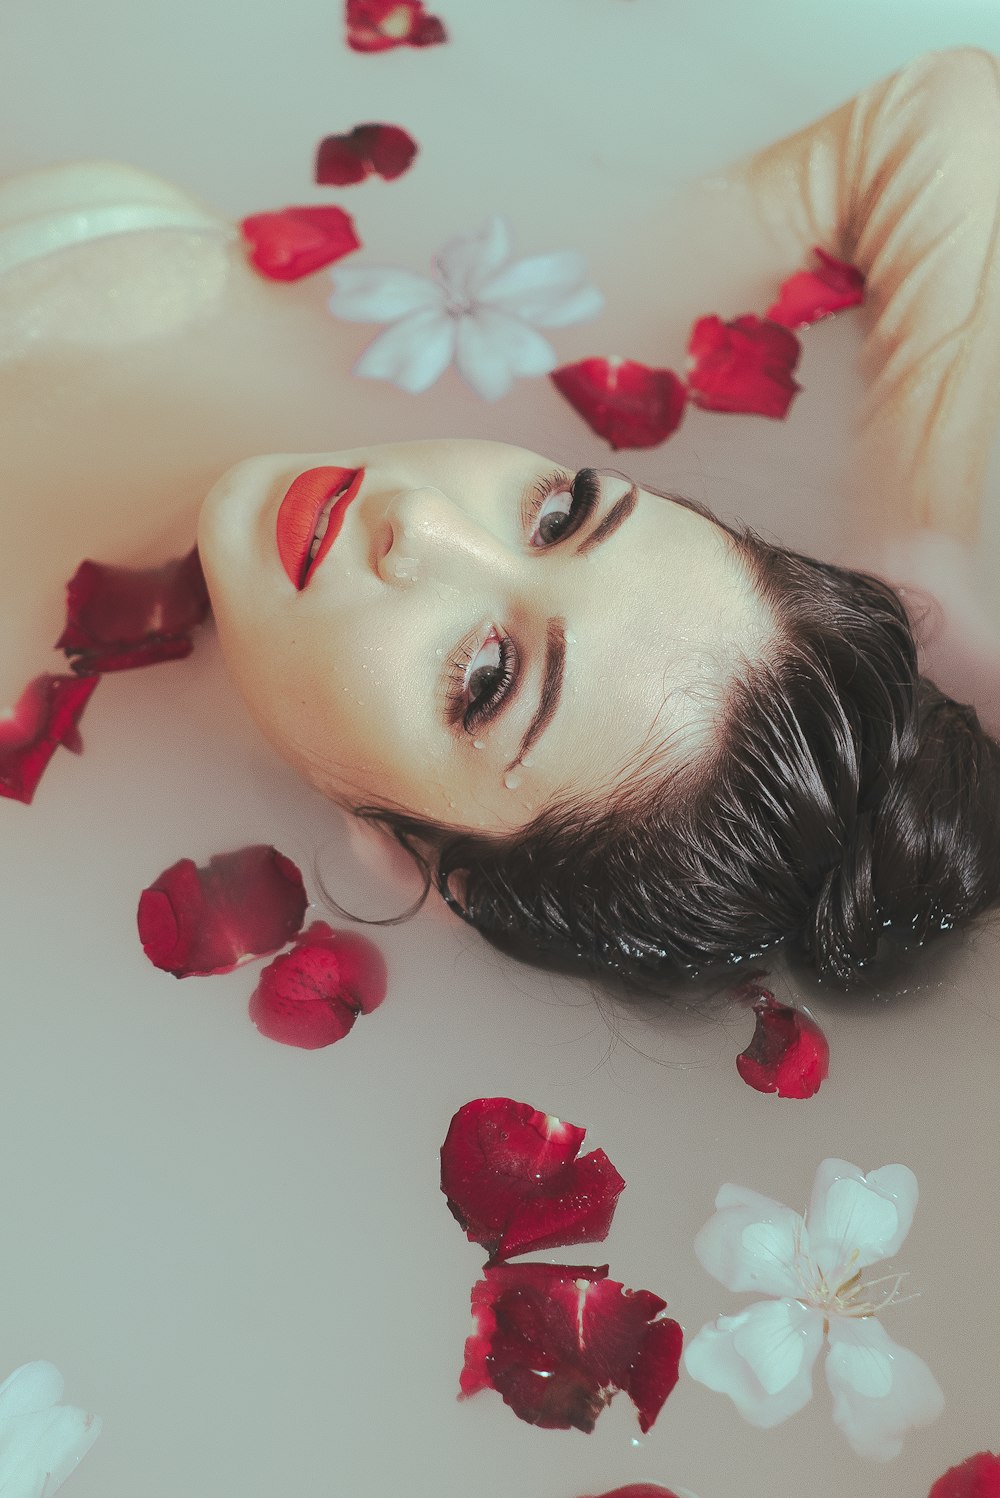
(555, 634)
(552, 683)
(616, 516)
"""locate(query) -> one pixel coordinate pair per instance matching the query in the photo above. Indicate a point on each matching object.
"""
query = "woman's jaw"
(484, 635)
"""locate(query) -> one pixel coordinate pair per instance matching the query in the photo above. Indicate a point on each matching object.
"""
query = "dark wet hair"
(846, 804)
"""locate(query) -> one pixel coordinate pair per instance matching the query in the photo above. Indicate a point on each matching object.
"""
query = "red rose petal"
(294, 242)
(311, 996)
(513, 1181)
(557, 1342)
(386, 150)
(120, 617)
(196, 921)
(377, 25)
(979, 1477)
(46, 715)
(813, 294)
(626, 403)
(639, 1490)
(789, 1054)
(743, 366)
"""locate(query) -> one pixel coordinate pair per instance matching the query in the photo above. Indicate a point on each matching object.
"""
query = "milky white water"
(236, 1252)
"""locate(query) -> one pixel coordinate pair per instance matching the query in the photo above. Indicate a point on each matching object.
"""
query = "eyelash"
(585, 492)
(474, 714)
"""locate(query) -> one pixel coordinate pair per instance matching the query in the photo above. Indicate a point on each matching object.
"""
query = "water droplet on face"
(406, 568)
(479, 743)
(511, 781)
(526, 762)
(569, 637)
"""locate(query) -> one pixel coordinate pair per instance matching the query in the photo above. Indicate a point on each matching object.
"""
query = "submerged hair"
(846, 802)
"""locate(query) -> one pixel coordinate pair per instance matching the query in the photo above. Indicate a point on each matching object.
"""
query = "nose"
(427, 537)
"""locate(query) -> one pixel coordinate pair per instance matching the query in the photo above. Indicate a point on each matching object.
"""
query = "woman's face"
(485, 634)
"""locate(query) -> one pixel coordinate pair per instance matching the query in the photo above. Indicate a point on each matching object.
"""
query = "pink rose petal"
(514, 1183)
(978, 1477)
(626, 403)
(789, 1054)
(558, 1342)
(378, 25)
(743, 366)
(196, 921)
(120, 617)
(311, 996)
(385, 150)
(286, 245)
(810, 295)
(46, 715)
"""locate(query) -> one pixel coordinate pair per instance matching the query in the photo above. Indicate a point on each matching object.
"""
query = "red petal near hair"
(813, 294)
(640, 1490)
(789, 1054)
(378, 25)
(46, 715)
(294, 242)
(979, 1477)
(626, 403)
(386, 150)
(743, 366)
(311, 996)
(514, 1183)
(120, 617)
(196, 921)
(558, 1342)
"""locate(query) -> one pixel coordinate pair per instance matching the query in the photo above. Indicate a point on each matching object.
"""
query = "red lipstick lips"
(299, 514)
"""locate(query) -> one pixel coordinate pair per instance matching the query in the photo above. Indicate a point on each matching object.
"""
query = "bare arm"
(904, 182)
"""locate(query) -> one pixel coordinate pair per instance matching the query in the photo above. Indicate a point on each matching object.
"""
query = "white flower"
(41, 1440)
(476, 310)
(763, 1357)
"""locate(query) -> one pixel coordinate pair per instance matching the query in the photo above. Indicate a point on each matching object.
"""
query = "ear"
(379, 853)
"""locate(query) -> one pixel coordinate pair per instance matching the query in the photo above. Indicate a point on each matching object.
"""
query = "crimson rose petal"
(311, 996)
(294, 242)
(789, 1054)
(743, 366)
(558, 1342)
(514, 1183)
(377, 25)
(119, 617)
(813, 294)
(386, 150)
(979, 1477)
(46, 715)
(196, 921)
(626, 403)
(639, 1490)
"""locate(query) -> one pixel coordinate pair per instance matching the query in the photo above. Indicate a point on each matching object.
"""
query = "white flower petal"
(33, 1386)
(762, 1358)
(492, 348)
(880, 1390)
(465, 262)
(575, 306)
(41, 1441)
(550, 290)
(856, 1219)
(375, 293)
(412, 353)
(751, 1242)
